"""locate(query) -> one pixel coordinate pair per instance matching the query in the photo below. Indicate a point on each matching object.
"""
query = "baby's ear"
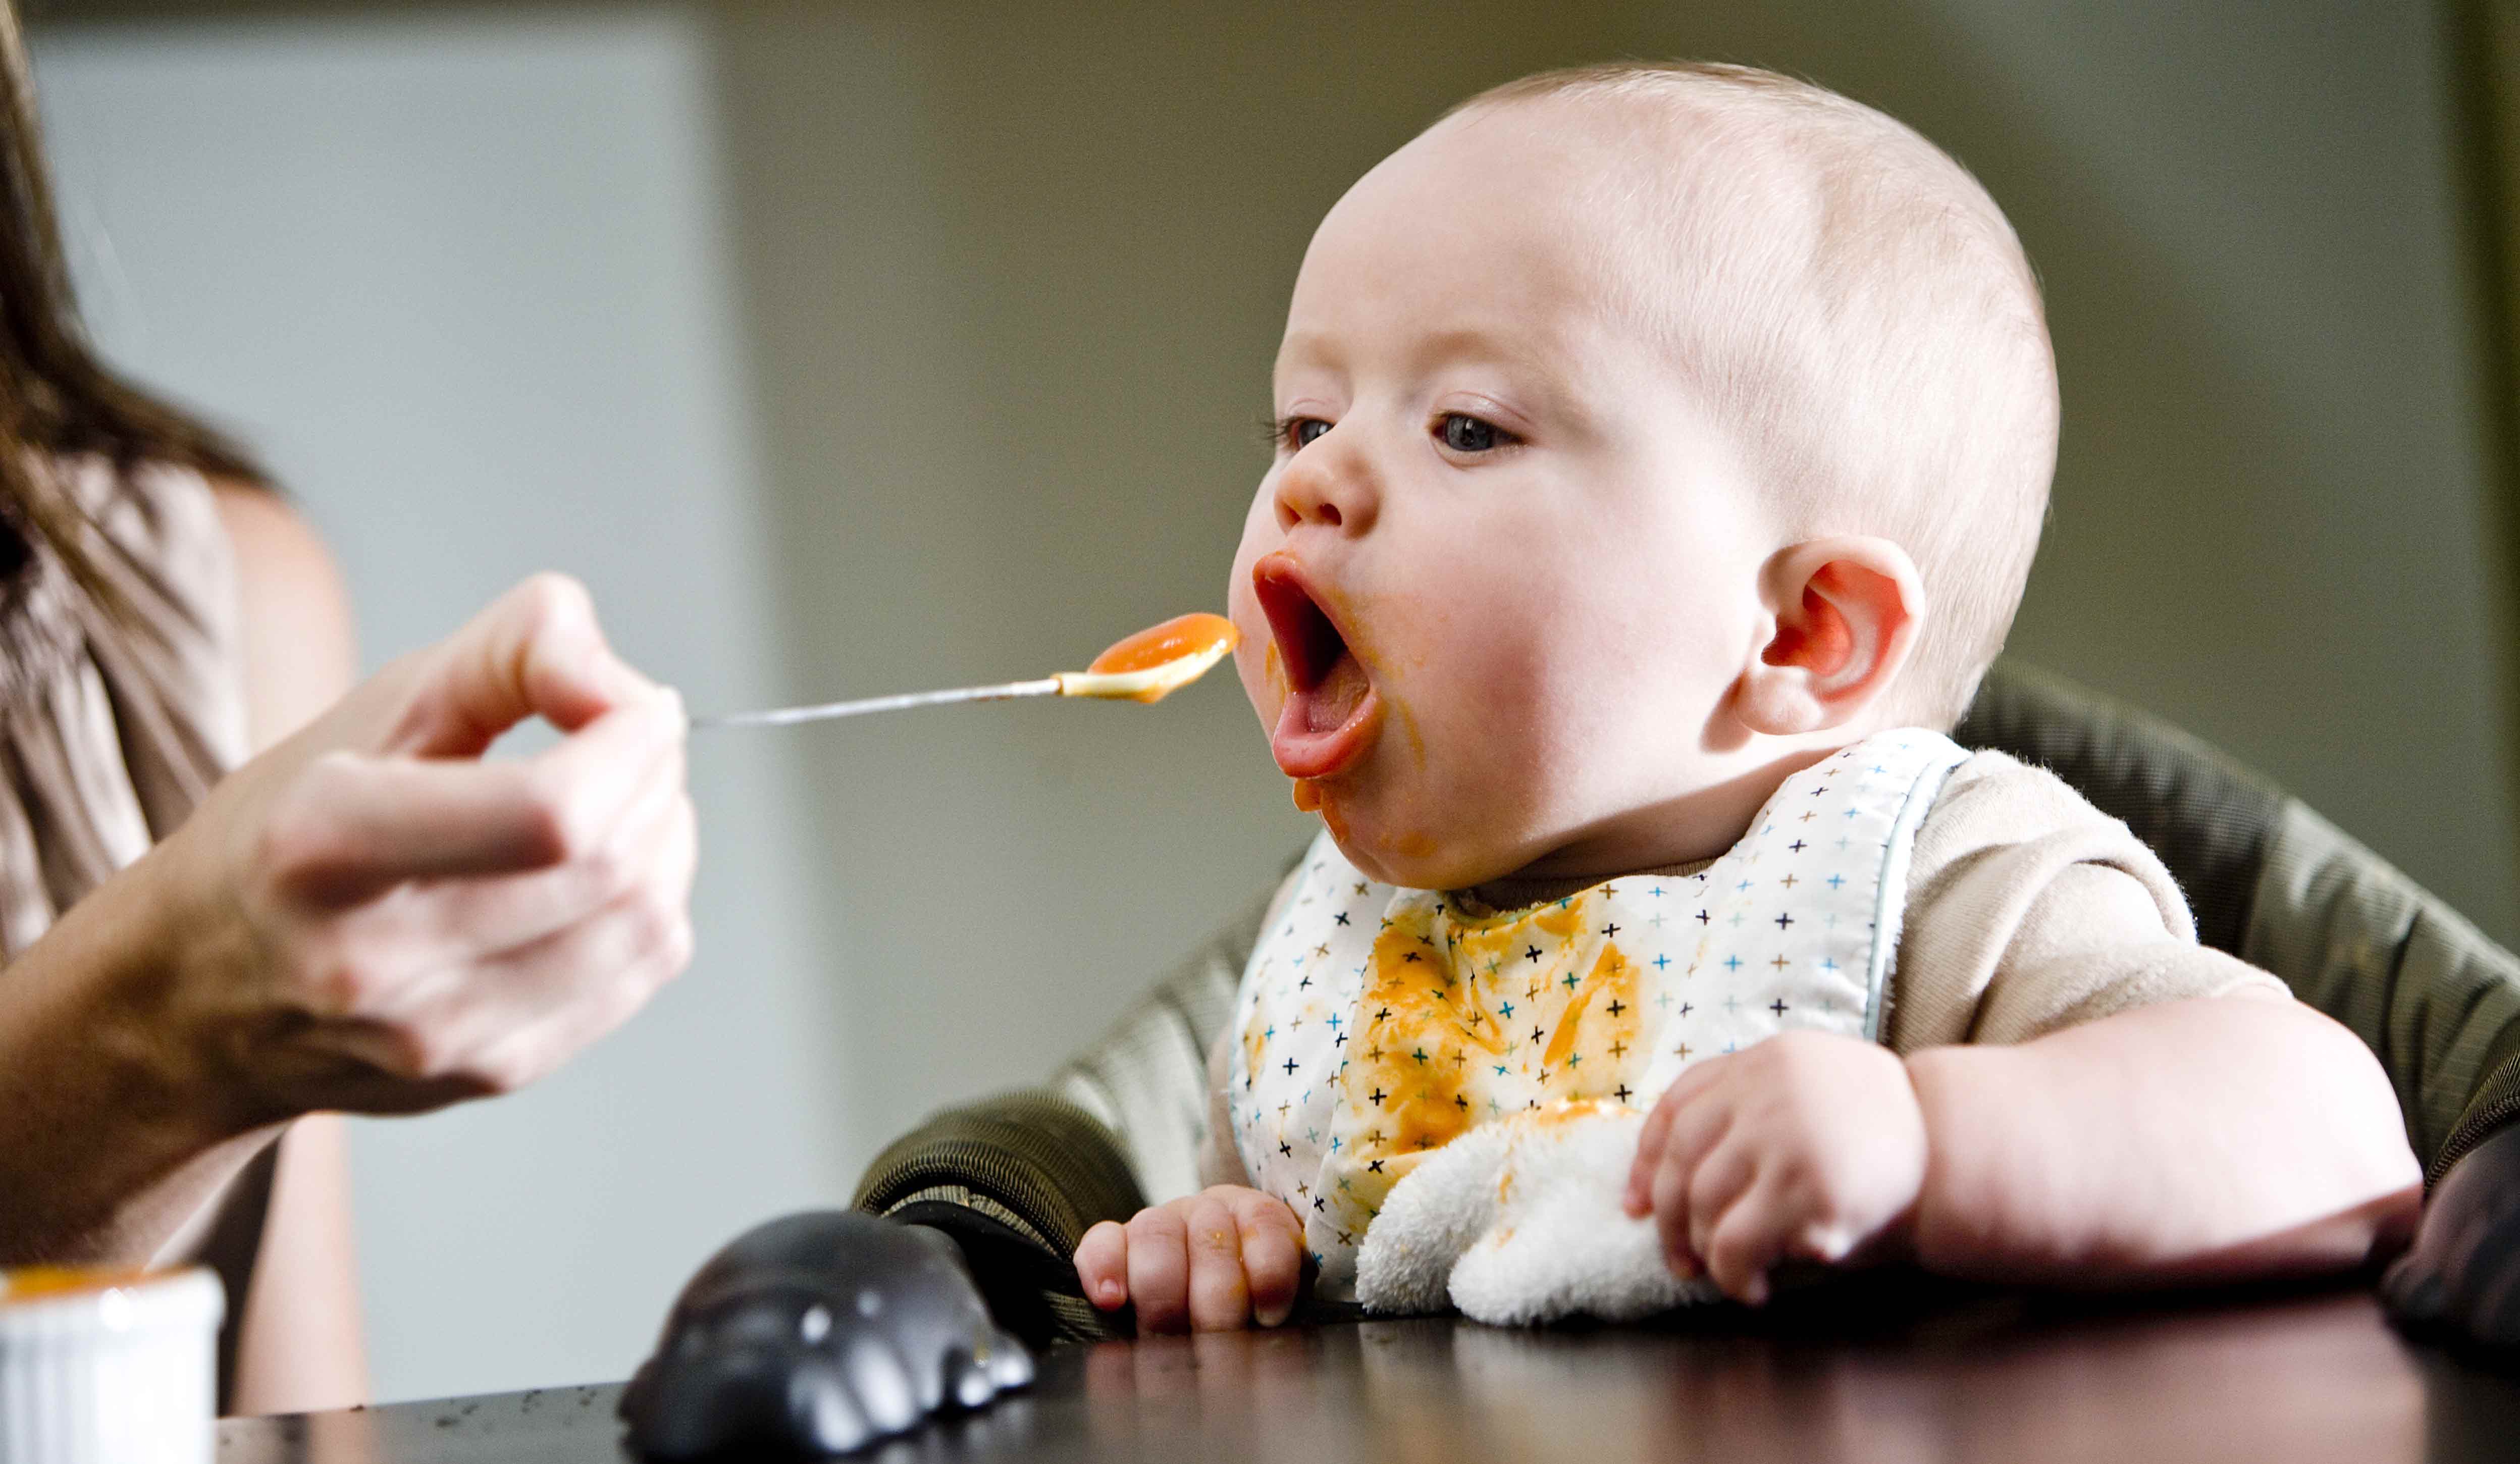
(1843, 616)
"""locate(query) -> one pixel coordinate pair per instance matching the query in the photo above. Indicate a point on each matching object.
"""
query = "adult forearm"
(112, 1132)
(2199, 1140)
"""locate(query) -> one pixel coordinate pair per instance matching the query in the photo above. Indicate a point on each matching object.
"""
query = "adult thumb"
(536, 651)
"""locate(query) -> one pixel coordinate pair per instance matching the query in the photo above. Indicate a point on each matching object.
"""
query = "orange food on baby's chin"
(1310, 798)
(1413, 846)
(1176, 639)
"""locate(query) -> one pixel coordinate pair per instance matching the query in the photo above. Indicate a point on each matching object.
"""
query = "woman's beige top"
(112, 726)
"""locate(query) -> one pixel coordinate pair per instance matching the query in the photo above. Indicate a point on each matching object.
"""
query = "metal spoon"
(1147, 666)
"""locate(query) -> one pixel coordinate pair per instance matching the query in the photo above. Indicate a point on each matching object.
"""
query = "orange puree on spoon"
(1155, 662)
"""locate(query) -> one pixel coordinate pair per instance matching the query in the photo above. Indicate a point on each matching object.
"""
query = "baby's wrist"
(1897, 1240)
(1963, 1200)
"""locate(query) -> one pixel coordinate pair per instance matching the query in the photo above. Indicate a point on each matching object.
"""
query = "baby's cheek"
(1262, 671)
(1256, 661)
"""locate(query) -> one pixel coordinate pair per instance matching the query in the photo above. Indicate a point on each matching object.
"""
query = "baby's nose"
(1326, 487)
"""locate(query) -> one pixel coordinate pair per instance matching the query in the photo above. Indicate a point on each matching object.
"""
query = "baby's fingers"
(1720, 1180)
(1753, 1235)
(1273, 1256)
(1651, 1137)
(1102, 1265)
(1654, 1137)
(1159, 1270)
(1219, 1299)
(1668, 1192)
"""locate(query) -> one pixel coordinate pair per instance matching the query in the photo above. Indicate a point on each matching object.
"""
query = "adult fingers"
(411, 958)
(614, 982)
(531, 1052)
(1273, 1255)
(1219, 1296)
(1103, 1264)
(1159, 1269)
(536, 650)
(475, 917)
(352, 825)
(1751, 1237)
(508, 1021)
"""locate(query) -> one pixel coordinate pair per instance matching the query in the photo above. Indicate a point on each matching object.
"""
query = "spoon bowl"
(1156, 661)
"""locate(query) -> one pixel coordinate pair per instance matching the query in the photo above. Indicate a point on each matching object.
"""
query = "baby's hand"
(1217, 1261)
(1806, 1146)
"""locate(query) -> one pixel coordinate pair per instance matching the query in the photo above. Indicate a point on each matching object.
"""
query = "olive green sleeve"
(1015, 1180)
(1018, 1179)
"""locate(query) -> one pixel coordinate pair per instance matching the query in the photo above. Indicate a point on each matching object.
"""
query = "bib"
(1376, 1024)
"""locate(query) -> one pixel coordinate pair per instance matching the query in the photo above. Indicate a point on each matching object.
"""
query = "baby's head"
(1645, 433)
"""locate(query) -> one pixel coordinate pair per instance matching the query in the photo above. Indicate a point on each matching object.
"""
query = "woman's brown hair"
(56, 397)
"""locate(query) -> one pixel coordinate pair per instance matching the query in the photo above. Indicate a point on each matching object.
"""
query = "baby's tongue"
(1329, 705)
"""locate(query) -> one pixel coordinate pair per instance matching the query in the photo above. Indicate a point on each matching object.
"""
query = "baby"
(1661, 452)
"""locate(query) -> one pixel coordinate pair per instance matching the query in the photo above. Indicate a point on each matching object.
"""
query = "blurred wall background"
(467, 284)
(854, 346)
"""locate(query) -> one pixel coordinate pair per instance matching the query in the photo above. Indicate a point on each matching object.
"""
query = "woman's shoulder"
(294, 626)
(278, 555)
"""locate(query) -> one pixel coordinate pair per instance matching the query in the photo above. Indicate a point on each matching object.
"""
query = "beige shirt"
(114, 722)
(2029, 911)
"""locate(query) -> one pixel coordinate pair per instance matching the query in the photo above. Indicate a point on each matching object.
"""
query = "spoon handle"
(781, 716)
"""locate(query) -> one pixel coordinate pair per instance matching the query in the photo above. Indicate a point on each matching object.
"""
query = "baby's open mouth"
(1329, 717)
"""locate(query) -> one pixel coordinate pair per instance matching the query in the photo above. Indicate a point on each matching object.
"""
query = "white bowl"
(109, 1367)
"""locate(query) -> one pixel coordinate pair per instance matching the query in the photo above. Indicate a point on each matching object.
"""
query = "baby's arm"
(2214, 1139)
(1213, 1262)
(2224, 1135)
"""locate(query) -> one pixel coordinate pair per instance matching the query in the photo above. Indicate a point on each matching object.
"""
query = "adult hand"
(2463, 1277)
(372, 918)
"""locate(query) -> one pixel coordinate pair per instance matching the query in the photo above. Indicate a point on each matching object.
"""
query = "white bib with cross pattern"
(1375, 1024)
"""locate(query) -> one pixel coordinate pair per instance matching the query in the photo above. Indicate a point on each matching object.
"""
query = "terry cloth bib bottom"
(1375, 1024)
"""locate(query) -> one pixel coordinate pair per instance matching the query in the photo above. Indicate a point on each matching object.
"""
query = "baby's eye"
(1464, 432)
(1295, 434)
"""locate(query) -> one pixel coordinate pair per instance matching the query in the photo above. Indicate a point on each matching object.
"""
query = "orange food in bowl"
(26, 1283)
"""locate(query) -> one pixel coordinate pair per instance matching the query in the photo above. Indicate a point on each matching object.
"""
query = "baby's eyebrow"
(1311, 348)
(1473, 342)
(1533, 371)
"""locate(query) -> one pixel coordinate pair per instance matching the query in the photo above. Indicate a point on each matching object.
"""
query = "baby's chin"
(1388, 845)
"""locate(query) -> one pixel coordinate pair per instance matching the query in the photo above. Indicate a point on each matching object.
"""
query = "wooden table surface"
(2298, 1377)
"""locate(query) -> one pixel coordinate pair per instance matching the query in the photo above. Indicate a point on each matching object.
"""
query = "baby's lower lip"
(1325, 729)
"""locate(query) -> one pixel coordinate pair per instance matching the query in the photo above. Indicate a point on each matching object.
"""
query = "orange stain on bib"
(1469, 1018)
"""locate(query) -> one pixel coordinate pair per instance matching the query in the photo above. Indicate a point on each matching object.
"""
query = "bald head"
(1845, 300)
